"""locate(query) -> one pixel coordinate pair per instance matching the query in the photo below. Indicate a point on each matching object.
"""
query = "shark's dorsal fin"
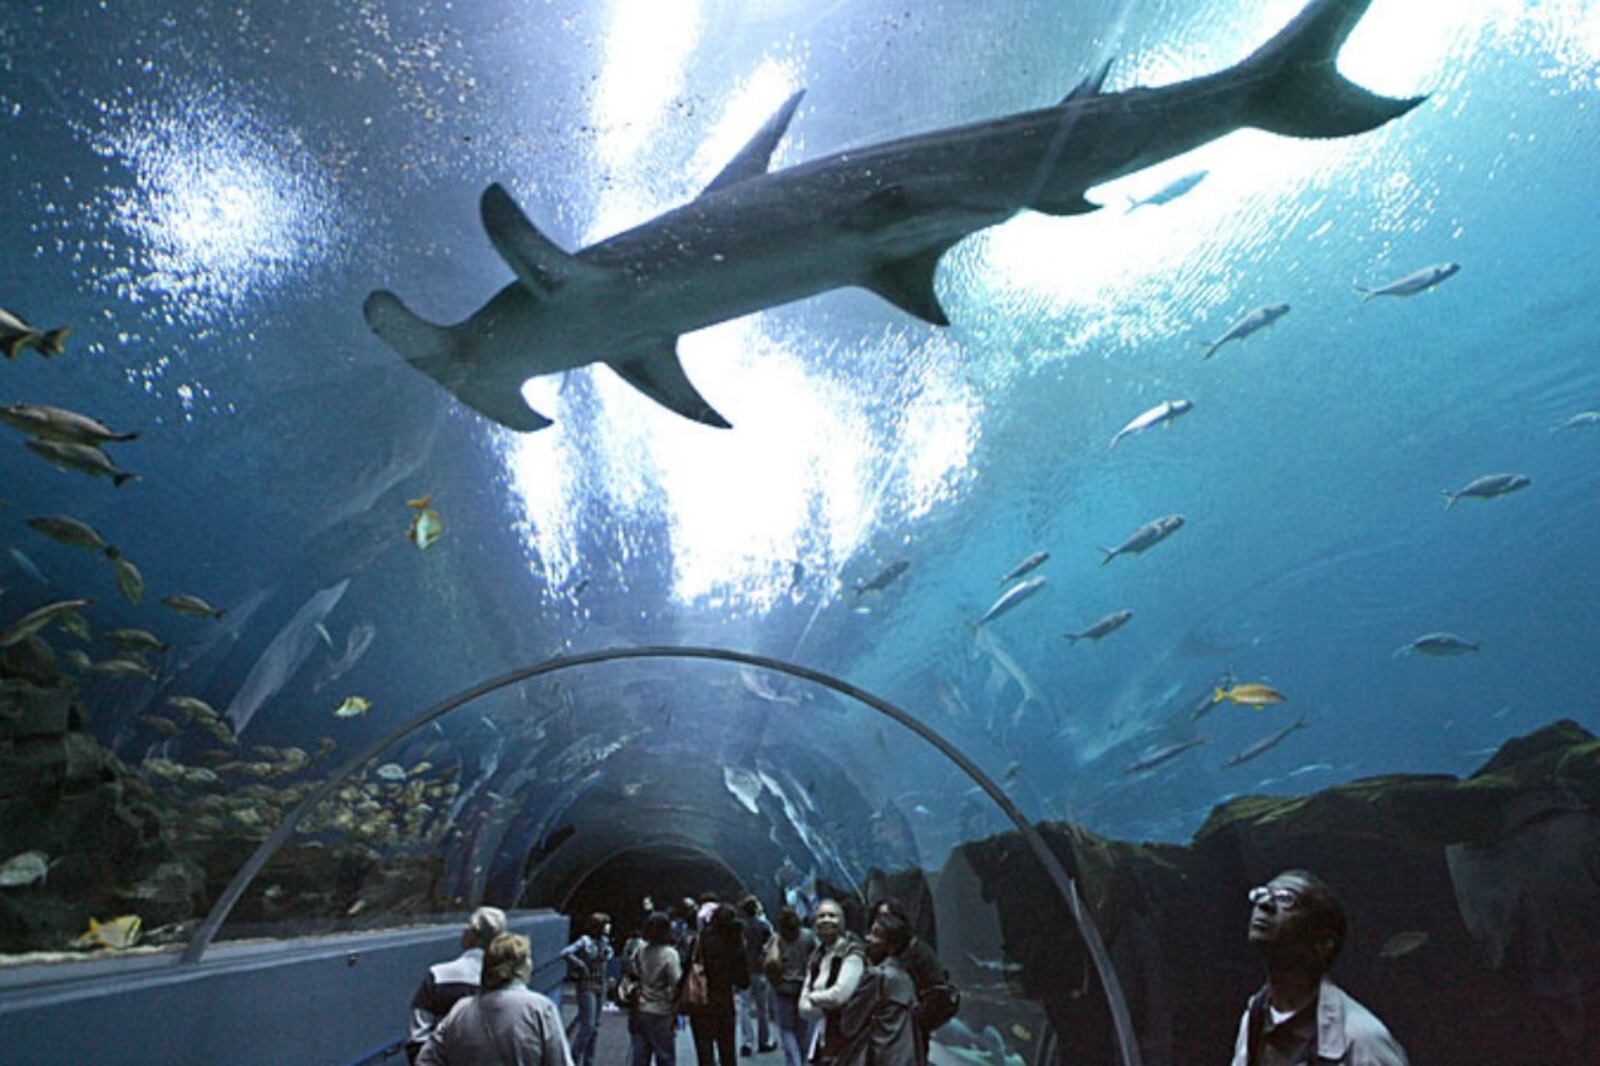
(1090, 85)
(908, 284)
(754, 157)
(658, 374)
(540, 264)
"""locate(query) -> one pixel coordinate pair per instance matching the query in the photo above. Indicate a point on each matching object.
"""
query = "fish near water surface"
(1027, 564)
(1168, 192)
(1412, 283)
(1010, 598)
(885, 577)
(878, 217)
(1254, 321)
(1145, 537)
(1161, 414)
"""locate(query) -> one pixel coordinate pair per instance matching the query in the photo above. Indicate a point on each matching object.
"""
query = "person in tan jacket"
(1300, 1017)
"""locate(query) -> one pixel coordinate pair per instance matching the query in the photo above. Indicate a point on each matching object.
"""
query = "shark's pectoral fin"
(500, 402)
(908, 284)
(1070, 203)
(540, 264)
(659, 375)
(753, 159)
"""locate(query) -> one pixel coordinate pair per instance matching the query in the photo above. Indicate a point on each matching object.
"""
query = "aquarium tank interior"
(1058, 464)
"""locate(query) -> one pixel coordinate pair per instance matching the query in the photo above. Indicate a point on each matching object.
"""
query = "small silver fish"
(1010, 598)
(25, 868)
(1412, 283)
(1168, 192)
(1259, 319)
(1439, 644)
(1151, 759)
(1487, 487)
(885, 577)
(1029, 563)
(1581, 420)
(35, 620)
(129, 581)
(1109, 624)
(59, 424)
(1161, 414)
(84, 458)
(1146, 536)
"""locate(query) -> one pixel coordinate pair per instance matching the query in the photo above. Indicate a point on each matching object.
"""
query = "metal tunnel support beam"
(1058, 875)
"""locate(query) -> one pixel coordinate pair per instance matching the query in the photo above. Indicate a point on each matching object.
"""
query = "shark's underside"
(879, 217)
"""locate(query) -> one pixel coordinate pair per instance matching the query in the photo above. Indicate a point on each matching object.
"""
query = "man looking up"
(449, 981)
(1297, 923)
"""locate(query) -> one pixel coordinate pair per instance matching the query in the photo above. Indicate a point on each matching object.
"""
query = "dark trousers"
(713, 1030)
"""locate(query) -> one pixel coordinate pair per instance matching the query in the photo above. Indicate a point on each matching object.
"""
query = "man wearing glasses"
(1300, 1018)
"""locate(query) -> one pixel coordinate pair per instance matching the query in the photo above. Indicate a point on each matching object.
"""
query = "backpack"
(937, 1004)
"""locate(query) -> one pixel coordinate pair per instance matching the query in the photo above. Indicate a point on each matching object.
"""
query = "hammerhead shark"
(879, 217)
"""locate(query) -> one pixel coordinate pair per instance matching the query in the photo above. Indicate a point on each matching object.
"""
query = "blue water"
(209, 211)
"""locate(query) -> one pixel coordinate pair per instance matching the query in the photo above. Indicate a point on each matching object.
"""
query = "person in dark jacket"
(927, 973)
(877, 1020)
(449, 981)
(720, 947)
(506, 1023)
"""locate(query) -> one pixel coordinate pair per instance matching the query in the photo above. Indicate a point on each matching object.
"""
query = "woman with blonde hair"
(506, 1023)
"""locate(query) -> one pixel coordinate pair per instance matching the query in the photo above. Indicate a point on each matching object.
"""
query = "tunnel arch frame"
(1127, 1041)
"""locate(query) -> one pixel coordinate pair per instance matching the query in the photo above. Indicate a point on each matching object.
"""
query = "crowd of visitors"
(820, 993)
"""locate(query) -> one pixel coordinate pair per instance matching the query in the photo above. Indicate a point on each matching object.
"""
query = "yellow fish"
(1252, 693)
(426, 525)
(353, 707)
(120, 932)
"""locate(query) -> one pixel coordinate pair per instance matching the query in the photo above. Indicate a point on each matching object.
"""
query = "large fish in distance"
(879, 217)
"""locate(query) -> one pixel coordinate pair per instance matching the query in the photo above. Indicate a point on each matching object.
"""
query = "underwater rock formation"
(1500, 870)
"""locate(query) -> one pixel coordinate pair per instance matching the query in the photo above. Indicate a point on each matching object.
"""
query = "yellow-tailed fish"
(1251, 693)
(426, 525)
(15, 335)
(353, 707)
(120, 932)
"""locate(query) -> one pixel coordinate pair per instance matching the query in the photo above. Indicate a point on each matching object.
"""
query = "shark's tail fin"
(431, 349)
(1295, 89)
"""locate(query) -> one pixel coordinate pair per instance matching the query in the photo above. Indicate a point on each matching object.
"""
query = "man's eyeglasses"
(1285, 898)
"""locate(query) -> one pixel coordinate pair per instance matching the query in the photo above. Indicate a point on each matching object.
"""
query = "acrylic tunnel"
(1117, 479)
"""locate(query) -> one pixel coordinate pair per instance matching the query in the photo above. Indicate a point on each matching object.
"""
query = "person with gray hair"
(448, 982)
(506, 1023)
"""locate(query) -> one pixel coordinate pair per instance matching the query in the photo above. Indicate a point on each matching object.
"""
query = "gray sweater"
(660, 970)
(524, 1027)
